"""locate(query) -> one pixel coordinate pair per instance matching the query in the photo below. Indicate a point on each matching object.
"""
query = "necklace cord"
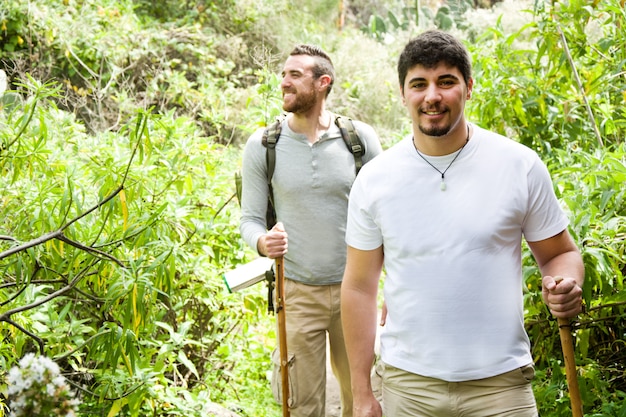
(455, 157)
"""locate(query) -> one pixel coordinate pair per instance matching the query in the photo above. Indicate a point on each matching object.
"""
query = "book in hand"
(247, 274)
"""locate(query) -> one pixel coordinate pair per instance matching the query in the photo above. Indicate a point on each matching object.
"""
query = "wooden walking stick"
(282, 333)
(571, 374)
(567, 344)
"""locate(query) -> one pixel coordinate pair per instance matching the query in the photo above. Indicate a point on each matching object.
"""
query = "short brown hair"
(323, 63)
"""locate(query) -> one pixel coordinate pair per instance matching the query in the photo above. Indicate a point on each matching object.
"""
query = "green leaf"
(188, 364)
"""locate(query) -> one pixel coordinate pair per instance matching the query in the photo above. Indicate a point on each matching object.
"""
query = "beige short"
(506, 395)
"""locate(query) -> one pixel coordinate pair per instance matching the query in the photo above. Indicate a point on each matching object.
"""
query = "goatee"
(434, 130)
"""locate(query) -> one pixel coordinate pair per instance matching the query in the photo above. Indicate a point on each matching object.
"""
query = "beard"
(301, 103)
(434, 130)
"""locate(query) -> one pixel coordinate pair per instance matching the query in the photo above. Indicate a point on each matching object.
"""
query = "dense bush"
(557, 85)
(113, 249)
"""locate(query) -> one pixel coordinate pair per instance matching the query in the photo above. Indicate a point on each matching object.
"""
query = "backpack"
(270, 138)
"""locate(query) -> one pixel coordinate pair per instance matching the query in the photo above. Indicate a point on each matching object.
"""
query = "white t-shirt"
(453, 258)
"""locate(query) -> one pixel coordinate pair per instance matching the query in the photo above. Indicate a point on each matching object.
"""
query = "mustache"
(436, 109)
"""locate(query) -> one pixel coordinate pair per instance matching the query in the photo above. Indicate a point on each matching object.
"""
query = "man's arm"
(358, 314)
(254, 191)
(254, 196)
(563, 274)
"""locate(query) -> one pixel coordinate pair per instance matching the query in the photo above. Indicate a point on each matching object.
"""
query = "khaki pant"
(313, 312)
(507, 395)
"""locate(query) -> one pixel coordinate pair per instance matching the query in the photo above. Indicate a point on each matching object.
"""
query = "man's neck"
(442, 145)
(312, 124)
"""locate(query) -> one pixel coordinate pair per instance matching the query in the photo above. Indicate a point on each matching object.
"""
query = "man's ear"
(324, 81)
(470, 85)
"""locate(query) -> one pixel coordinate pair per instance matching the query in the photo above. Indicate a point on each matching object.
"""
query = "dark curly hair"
(431, 48)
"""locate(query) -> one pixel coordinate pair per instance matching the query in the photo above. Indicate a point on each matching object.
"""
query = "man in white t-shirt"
(445, 211)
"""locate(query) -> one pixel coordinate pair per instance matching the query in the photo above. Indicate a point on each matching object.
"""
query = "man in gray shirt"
(313, 175)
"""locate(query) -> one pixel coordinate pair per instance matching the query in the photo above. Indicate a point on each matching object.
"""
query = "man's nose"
(285, 82)
(433, 94)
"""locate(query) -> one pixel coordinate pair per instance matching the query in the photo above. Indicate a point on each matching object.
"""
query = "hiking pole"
(282, 333)
(567, 344)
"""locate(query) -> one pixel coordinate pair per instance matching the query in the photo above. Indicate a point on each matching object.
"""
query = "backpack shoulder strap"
(351, 138)
(269, 140)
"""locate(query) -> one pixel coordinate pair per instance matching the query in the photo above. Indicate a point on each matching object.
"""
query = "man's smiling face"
(299, 87)
(435, 98)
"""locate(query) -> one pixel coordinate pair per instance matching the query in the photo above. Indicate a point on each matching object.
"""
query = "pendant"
(443, 186)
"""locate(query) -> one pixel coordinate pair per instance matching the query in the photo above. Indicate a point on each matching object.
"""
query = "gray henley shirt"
(311, 187)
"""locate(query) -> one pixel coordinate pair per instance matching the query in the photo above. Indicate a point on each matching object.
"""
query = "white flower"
(36, 386)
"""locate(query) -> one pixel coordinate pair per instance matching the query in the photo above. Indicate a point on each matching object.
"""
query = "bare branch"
(126, 394)
(581, 88)
(7, 314)
(39, 281)
(32, 335)
(32, 243)
(89, 249)
(95, 207)
(21, 290)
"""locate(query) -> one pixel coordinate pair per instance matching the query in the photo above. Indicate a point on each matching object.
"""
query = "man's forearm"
(358, 312)
(566, 265)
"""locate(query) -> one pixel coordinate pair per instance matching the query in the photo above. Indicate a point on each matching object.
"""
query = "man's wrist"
(260, 246)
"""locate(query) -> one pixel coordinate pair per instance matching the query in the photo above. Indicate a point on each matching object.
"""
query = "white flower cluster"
(37, 388)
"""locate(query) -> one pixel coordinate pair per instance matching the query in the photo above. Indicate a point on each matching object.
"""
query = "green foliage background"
(121, 127)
